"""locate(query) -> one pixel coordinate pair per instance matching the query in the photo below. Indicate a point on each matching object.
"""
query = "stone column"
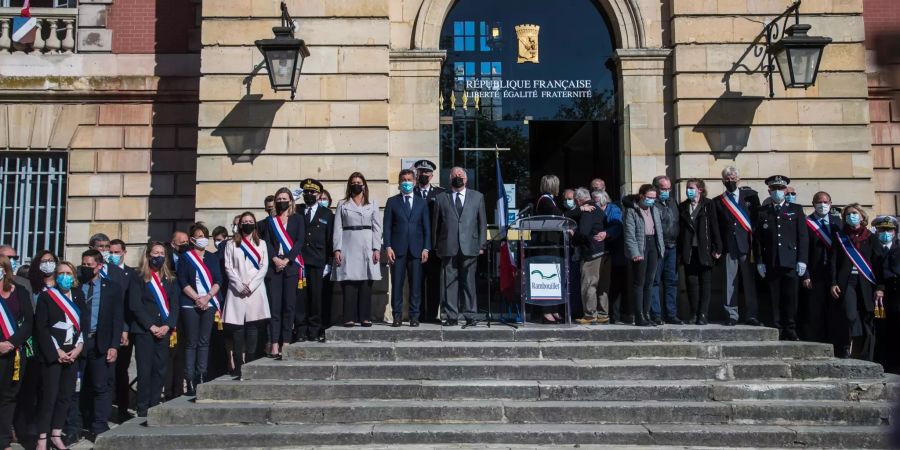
(414, 111)
(641, 99)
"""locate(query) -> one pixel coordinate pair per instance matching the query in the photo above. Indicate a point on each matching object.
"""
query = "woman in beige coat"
(357, 250)
(246, 305)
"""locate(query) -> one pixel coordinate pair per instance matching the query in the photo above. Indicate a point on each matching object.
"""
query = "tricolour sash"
(159, 294)
(286, 245)
(817, 229)
(7, 321)
(204, 275)
(739, 214)
(856, 257)
(206, 281)
(251, 253)
(67, 306)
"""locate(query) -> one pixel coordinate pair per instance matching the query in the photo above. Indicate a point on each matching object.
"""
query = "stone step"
(535, 332)
(767, 412)
(527, 369)
(425, 350)
(598, 390)
(133, 435)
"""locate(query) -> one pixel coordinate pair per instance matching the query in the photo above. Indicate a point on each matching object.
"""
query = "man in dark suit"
(781, 252)
(318, 231)
(735, 211)
(129, 281)
(103, 334)
(431, 280)
(407, 232)
(174, 384)
(820, 318)
(263, 224)
(460, 224)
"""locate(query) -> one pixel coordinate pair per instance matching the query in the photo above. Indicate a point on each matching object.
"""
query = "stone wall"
(128, 123)
(819, 137)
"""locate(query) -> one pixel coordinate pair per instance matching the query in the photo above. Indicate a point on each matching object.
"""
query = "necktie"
(308, 215)
(408, 201)
(424, 193)
(459, 204)
(90, 302)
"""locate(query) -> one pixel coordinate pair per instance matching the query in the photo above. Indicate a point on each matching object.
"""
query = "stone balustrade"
(56, 31)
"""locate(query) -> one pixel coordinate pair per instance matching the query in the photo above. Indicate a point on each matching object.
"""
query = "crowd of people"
(206, 303)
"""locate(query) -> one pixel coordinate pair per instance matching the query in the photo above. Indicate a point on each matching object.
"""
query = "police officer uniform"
(886, 265)
(781, 250)
(431, 286)
(316, 251)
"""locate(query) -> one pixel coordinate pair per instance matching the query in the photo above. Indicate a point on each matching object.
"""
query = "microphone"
(523, 211)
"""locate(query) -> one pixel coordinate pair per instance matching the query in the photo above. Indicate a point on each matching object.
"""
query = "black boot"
(191, 390)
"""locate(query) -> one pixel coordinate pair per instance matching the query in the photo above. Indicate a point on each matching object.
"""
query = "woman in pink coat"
(246, 306)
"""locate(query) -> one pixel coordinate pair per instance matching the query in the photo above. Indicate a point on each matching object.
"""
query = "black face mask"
(248, 228)
(730, 185)
(282, 206)
(457, 182)
(310, 199)
(356, 189)
(183, 248)
(423, 179)
(85, 274)
(157, 262)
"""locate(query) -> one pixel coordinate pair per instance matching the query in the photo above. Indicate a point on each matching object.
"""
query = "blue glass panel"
(470, 43)
(498, 68)
(485, 68)
(470, 69)
(484, 45)
(470, 28)
(459, 44)
(482, 26)
(458, 28)
(459, 68)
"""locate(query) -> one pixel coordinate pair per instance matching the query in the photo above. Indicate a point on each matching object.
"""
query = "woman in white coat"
(357, 250)
(246, 305)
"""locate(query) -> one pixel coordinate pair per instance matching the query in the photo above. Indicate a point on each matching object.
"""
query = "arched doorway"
(553, 105)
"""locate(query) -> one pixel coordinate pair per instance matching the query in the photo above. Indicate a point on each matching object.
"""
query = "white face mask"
(822, 208)
(201, 243)
(47, 267)
(2, 273)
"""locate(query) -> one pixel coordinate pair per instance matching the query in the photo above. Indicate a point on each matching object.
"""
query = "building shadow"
(244, 143)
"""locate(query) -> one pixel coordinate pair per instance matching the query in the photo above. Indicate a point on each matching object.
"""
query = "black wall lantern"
(284, 55)
(796, 54)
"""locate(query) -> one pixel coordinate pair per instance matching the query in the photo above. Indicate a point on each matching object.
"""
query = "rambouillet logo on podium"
(545, 282)
(527, 35)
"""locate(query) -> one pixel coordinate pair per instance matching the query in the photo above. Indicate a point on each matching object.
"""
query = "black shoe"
(366, 324)
(397, 323)
(753, 322)
(730, 323)
(321, 338)
(90, 436)
(450, 323)
(470, 323)
(191, 390)
(301, 339)
(701, 319)
(789, 335)
(674, 321)
(657, 322)
(643, 323)
(413, 323)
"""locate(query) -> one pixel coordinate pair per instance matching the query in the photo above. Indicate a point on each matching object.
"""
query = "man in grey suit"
(460, 233)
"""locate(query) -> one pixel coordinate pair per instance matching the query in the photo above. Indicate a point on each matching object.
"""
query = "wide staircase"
(680, 386)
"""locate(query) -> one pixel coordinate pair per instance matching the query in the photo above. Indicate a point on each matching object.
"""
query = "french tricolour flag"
(24, 26)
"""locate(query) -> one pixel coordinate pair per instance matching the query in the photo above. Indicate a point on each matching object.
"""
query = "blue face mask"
(691, 193)
(790, 198)
(406, 186)
(853, 219)
(663, 195)
(648, 202)
(777, 196)
(885, 237)
(65, 281)
(324, 203)
(570, 203)
(114, 259)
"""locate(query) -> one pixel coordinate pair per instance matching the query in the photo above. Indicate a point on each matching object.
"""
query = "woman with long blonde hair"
(155, 317)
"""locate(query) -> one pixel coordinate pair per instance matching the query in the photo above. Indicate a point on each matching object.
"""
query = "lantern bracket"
(774, 31)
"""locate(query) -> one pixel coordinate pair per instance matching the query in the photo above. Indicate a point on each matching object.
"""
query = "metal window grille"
(33, 195)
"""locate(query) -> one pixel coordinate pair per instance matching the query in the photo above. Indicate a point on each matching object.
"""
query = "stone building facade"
(165, 116)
